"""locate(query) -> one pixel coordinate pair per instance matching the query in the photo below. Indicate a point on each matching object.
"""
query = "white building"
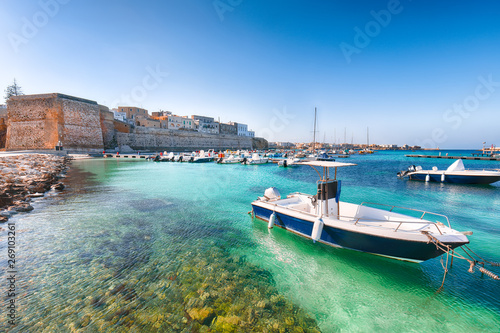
(206, 124)
(122, 116)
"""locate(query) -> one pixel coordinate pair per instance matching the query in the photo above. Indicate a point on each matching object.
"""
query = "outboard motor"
(411, 168)
(272, 193)
(244, 161)
(285, 164)
(157, 158)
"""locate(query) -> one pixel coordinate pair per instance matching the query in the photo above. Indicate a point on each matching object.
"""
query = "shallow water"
(144, 246)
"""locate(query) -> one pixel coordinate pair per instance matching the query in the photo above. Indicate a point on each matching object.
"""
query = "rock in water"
(58, 186)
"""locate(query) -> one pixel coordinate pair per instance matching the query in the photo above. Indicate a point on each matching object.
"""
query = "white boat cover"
(327, 164)
(458, 165)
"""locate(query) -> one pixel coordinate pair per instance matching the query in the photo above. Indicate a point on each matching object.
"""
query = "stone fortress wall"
(39, 122)
(145, 138)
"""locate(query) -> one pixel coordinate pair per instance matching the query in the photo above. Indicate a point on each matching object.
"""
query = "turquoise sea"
(136, 246)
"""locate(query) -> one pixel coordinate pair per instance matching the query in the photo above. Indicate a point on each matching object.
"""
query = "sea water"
(132, 245)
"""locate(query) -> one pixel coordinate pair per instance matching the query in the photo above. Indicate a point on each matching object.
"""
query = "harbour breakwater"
(23, 177)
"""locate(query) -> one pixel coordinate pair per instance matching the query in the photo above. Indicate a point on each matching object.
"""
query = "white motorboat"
(289, 162)
(255, 159)
(202, 157)
(456, 173)
(386, 232)
(231, 159)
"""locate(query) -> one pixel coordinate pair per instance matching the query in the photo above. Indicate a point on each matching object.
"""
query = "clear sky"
(415, 72)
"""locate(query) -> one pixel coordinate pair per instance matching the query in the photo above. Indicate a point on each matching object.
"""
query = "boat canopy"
(326, 164)
(458, 165)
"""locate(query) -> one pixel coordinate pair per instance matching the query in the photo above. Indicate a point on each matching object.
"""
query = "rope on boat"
(472, 261)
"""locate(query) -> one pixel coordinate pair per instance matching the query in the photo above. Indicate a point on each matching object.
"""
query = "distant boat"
(325, 157)
(255, 159)
(231, 159)
(202, 157)
(289, 162)
(323, 218)
(456, 173)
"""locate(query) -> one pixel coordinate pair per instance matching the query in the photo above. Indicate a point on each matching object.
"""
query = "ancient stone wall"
(33, 122)
(108, 128)
(174, 140)
(41, 121)
(3, 127)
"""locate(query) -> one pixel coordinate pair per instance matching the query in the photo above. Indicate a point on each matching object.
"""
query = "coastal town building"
(206, 124)
(228, 128)
(180, 122)
(160, 114)
(286, 145)
(242, 129)
(121, 116)
(147, 122)
(131, 111)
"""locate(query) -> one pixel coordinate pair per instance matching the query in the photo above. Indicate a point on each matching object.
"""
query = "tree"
(13, 90)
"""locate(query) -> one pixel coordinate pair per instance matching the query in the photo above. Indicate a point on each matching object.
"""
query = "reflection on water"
(131, 248)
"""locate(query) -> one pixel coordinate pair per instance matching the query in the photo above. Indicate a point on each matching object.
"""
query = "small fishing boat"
(202, 157)
(386, 232)
(231, 159)
(289, 162)
(255, 159)
(456, 173)
(325, 157)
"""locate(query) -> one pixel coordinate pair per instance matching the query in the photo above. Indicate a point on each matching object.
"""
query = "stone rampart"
(41, 121)
(143, 138)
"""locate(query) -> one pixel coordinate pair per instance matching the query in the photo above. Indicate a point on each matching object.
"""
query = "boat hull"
(455, 179)
(414, 251)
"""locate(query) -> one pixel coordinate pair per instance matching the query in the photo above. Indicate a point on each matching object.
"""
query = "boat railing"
(392, 207)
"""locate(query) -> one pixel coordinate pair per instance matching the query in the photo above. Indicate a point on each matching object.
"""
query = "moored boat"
(231, 159)
(289, 162)
(456, 173)
(386, 232)
(202, 157)
(255, 159)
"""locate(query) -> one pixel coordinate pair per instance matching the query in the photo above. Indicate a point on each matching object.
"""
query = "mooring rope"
(472, 261)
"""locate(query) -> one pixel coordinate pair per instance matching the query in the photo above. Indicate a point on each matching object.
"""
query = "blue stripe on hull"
(413, 251)
(456, 179)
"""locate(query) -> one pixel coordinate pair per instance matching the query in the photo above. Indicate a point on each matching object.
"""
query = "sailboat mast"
(314, 135)
(367, 137)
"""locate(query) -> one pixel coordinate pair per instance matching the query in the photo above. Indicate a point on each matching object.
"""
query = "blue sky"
(414, 72)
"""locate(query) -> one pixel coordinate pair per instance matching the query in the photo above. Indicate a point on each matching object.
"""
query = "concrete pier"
(478, 158)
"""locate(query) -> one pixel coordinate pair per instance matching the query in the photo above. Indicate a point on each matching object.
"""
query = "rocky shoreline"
(23, 177)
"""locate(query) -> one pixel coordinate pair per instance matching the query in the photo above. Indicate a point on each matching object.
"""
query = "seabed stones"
(27, 176)
(202, 290)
